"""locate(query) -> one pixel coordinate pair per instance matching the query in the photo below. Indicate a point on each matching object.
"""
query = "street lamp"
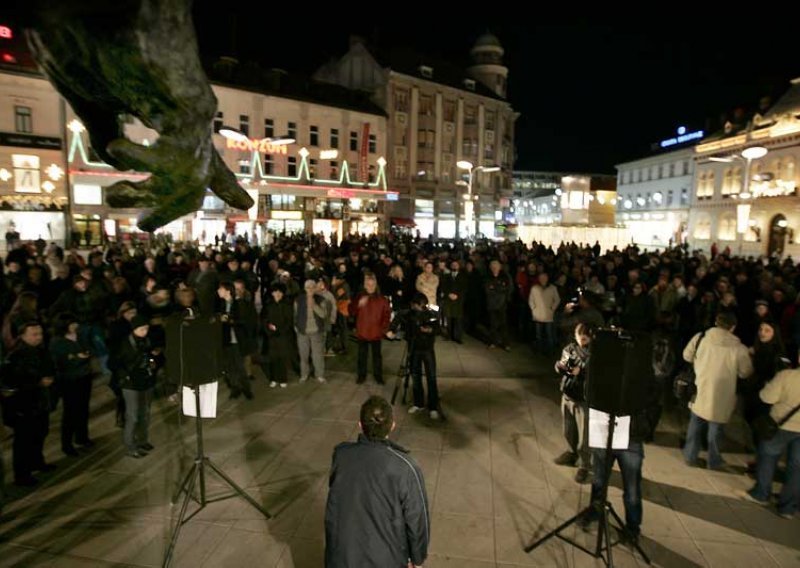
(743, 208)
(468, 205)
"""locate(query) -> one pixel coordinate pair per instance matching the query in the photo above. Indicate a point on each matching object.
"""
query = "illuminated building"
(439, 115)
(653, 194)
(758, 215)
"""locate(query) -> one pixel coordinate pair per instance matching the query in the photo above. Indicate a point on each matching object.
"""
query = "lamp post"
(468, 197)
(743, 209)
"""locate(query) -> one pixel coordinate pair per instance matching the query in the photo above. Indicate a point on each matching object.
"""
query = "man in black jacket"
(234, 335)
(377, 512)
(26, 377)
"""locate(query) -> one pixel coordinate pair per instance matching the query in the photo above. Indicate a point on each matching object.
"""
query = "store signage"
(28, 141)
(773, 188)
(255, 145)
(391, 196)
(328, 154)
(682, 137)
(341, 193)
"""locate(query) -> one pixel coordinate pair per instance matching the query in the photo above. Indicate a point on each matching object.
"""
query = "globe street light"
(468, 205)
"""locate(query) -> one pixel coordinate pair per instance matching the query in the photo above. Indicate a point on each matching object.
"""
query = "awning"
(403, 222)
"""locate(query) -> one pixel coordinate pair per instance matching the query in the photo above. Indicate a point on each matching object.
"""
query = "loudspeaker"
(194, 350)
(619, 371)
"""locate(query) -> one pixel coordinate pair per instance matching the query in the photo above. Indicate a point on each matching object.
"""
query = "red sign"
(362, 158)
(6, 33)
(256, 145)
(341, 193)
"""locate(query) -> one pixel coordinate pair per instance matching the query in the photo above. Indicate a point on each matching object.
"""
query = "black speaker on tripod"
(619, 371)
(193, 352)
(194, 349)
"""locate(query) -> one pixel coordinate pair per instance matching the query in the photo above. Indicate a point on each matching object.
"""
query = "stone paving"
(488, 469)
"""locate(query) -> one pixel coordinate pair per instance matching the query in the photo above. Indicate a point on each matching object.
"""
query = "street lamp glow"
(754, 152)
(464, 165)
(233, 134)
(489, 169)
(281, 141)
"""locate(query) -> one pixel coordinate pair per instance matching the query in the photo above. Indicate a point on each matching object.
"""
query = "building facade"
(330, 180)
(439, 116)
(33, 181)
(654, 195)
(750, 204)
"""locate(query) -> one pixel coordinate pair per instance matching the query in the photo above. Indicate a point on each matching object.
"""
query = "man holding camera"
(420, 324)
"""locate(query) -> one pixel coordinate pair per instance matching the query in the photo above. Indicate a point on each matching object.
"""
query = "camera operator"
(420, 324)
(136, 367)
(572, 368)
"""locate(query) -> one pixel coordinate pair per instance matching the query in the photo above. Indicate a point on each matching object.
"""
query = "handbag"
(765, 426)
(684, 387)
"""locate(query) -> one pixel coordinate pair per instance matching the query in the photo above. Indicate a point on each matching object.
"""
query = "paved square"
(488, 470)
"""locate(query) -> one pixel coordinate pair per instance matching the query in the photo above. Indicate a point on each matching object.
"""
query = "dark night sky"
(591, 93)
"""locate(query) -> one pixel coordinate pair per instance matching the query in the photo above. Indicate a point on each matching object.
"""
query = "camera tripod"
(604, 511)
(196, 479)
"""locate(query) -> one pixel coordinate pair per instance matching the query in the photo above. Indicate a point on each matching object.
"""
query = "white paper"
(598, 430)
(208, 401)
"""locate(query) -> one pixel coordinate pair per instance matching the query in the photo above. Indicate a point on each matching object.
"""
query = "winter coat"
(320, 309)
(783, 393)
(372, 320)
(22, 372)
(543, 302)
(377, 514)
(498, 291)
(457, 285)
(281, 316)
(719, 361)
(428, 285)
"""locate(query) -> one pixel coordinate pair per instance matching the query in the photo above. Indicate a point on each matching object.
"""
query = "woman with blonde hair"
(428, 283)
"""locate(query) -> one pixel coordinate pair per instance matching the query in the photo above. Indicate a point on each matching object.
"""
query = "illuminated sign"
(286, 215)
(6, 33)
(682, 137)
(328, 154)
(341, 193)
(256, 145)
(392, 196)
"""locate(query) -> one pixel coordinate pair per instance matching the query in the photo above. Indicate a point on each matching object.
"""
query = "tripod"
(601, 507)
(403, 376)
(196, 477)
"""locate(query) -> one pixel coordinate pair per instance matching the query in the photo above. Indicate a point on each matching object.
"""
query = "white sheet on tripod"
(208, 401)
(598, 430)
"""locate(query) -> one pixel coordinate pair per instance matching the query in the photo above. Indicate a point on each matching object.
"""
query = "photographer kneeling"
(420, 325)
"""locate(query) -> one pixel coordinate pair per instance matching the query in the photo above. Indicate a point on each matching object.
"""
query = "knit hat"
(139, 321)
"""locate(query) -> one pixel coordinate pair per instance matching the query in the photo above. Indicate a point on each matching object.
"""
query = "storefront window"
(328, 209)
(285, 202)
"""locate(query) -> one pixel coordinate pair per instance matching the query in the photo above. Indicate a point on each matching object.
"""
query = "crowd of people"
(69, 317)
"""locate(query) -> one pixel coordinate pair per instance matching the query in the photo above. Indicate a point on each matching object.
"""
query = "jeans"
(313, 344)
(769, 452)
(137, 417)
(630, 465)
(697, 427)
(546, 336)
(428, 359)
(575, 427)
(377, 360)
(75, 417)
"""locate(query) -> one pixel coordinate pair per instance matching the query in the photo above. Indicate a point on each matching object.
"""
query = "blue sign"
(391, 196)
(682, 137)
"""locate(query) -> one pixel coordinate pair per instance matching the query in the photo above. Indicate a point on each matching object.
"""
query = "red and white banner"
(363, 176)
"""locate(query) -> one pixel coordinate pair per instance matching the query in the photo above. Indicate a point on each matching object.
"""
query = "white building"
(654, 194)
(439, 115)
(752, 205)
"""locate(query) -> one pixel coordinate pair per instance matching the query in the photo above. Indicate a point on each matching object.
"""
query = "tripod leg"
(182, 487)
(554, 532)
(238, 489)
(181, 516)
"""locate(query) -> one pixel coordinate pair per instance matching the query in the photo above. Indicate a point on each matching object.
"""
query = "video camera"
(409, 320)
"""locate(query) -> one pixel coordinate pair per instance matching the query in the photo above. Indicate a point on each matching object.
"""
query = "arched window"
(702, 227)
(736, 181)
(788, 169)
(727, 182)
(726, 228)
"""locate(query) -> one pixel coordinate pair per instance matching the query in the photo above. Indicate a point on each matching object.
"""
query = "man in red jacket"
(372, 314)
